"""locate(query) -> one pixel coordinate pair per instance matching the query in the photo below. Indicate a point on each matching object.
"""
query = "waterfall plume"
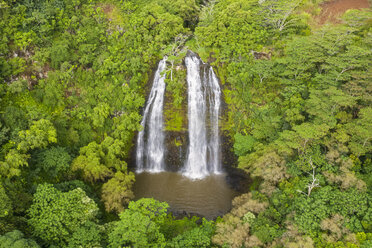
(204, 95)
(150, 141)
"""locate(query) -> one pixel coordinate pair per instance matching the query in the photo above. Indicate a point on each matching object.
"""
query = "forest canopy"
(73, 82)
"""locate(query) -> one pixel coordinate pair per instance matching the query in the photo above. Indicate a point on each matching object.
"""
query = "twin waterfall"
(203, 156)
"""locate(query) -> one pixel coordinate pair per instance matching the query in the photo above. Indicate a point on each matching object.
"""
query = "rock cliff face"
(176, 149)
(175, 118)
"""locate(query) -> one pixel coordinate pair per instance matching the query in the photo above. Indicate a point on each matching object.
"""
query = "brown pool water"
(209, 197)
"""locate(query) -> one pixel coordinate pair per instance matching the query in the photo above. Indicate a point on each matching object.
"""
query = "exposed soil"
(107, 8)
(332, 10)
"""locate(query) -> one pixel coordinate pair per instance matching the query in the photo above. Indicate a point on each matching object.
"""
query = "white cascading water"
(150, 141)
(196, 163)
(214, 110)
(203, 112)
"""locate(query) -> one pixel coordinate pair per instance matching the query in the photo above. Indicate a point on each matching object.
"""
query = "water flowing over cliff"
(203, 113)
(150, 141)
(203, 102)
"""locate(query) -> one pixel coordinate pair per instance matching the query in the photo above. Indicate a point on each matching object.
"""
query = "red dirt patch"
(332, 10)
(106, 7)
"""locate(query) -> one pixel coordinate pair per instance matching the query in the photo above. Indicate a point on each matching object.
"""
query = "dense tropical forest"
(74, 76)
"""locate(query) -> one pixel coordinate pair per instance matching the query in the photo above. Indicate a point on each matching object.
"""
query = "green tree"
(14, 160)
(100, 113)
(302, 137)
(324, 105)
(55, 215)
(59, 53)
(116, 192)
(139, 225)
(5, 204)
(55, 161)
(40, 134)
(86, 236)
(196, 237)
(243, 144)
(100, 161)
(90, 163)
(360, 131)
(280, 14)
(16, 239)
(3, 133)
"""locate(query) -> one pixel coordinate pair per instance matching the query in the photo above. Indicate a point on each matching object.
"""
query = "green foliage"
(360, 132)
(353, 206)
(224, 23)
(196, 237)
(249, 217)
(55, 215)
(280, 15)
(172, 227)
(14, 119)
(243, 144)
(96, 161)
(73, 74)
(175, 120)
(297, 112)
(13, 162)
(175, 108)
(151, 208)
(87, 235)
(5, 204)
(16, 239)
(139, 225)
(74, 184)
(59, 53)
(116, 193)
(20, 200)
(136, 230)
(40, 134)
(89, 162)
(146, 224)
(266, 233)
(55, 161)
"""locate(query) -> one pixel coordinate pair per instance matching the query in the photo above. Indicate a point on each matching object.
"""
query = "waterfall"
(204, 99)
(214, 110)
(196, 164)
(203, 111)
(150, 141)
